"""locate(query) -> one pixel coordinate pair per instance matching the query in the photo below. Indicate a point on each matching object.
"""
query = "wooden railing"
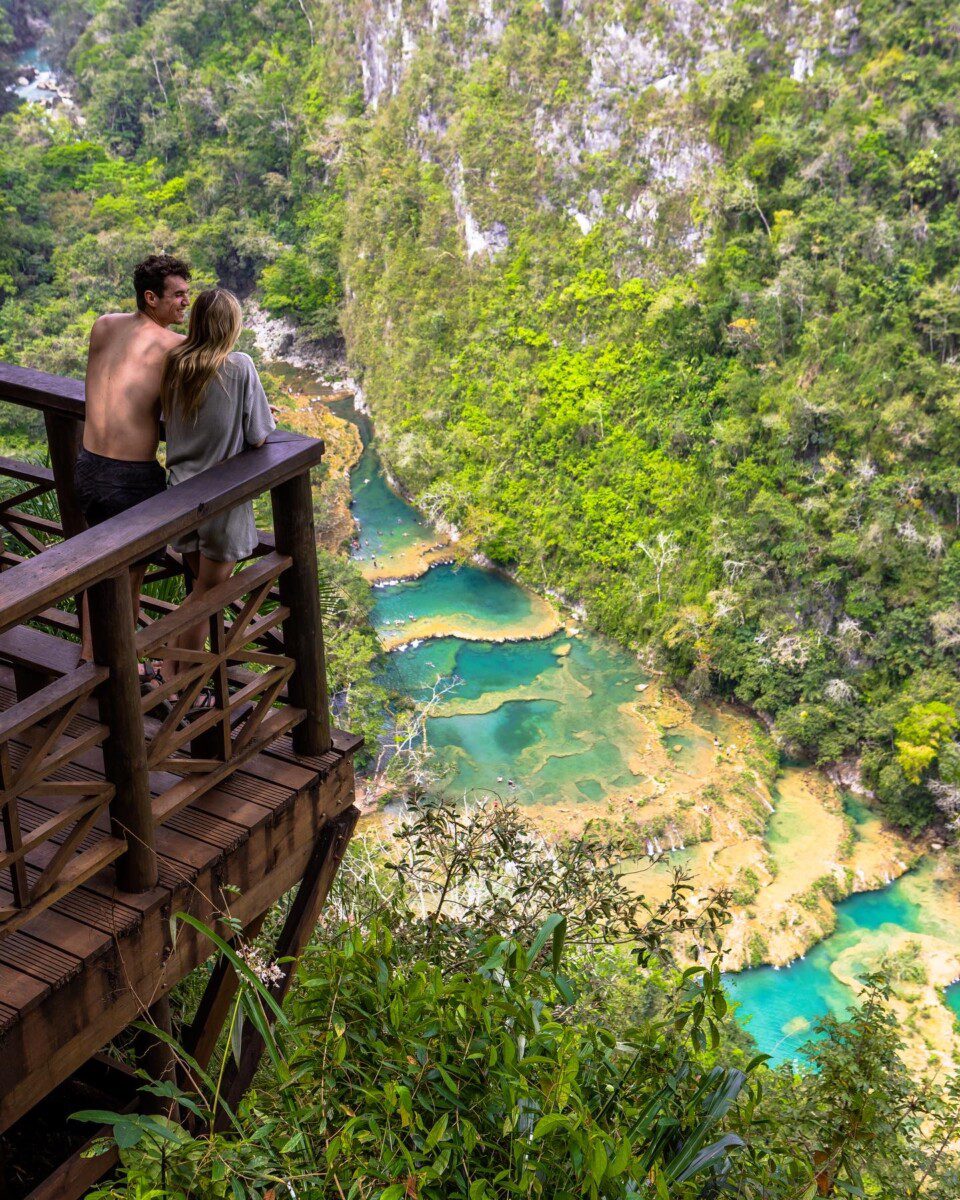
(78, 741)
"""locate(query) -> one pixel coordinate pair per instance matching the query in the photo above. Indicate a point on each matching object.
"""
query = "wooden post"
(215, 742)
(64, 437)
(328, 852)
(302, 631)
(124, 751)
(200, 1038)
(157, 1057)
(13, 838)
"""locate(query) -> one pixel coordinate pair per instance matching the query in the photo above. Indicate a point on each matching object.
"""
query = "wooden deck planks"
(92, 1006)
(343, 743)
(48, 964)
(79, 971)
(86, 966)
(102, 913)
(60, 929)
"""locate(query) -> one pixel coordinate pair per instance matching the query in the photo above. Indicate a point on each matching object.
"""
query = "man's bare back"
(117, 467)
(123, 385)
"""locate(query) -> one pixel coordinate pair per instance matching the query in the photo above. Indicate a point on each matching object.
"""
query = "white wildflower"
(268, 973)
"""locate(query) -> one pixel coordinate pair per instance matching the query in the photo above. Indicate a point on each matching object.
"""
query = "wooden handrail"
(29, 472)
(83, 560)
(48, 699)
(37, 389)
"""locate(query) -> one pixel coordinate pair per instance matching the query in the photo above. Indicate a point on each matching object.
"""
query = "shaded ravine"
(40, 84)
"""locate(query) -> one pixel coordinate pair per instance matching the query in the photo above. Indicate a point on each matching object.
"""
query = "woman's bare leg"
(207, 574)
(86, 636)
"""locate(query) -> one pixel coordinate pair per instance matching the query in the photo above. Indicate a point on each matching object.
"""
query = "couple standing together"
(213, 406)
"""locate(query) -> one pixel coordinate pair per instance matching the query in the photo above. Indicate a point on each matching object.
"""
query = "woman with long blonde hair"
(214, 406)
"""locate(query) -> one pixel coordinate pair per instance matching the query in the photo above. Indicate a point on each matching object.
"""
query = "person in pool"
(214, 406)
(117, 466)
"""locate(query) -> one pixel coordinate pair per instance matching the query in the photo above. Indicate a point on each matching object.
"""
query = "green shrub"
(445, 1039)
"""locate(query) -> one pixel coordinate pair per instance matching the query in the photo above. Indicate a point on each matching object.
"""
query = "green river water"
(542, 720)
(780, 1006)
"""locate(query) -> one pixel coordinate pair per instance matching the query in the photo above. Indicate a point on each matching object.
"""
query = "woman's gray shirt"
(233, 414)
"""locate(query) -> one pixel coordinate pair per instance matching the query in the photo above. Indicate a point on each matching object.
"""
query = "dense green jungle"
(658, 304)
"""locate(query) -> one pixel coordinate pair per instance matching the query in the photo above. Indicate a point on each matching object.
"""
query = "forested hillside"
(657, 303)
(700, 375)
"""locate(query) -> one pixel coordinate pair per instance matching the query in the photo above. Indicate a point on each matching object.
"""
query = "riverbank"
(410, 563)
(331, 484)
(785, 847)
(539, 622)
(910, 931)
(35, 81)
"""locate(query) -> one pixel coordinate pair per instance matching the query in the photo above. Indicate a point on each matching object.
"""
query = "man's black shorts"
(107, 487)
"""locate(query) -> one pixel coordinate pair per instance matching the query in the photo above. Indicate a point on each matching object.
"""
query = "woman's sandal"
(150, 678)
(151, 681)
(204, 702)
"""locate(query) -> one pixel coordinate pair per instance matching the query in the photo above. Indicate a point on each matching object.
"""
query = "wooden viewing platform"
(118, 811)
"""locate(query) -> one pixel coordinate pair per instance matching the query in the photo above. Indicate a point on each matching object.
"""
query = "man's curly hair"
(149, 275)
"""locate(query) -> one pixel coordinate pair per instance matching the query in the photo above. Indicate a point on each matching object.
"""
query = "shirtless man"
(117, 467)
